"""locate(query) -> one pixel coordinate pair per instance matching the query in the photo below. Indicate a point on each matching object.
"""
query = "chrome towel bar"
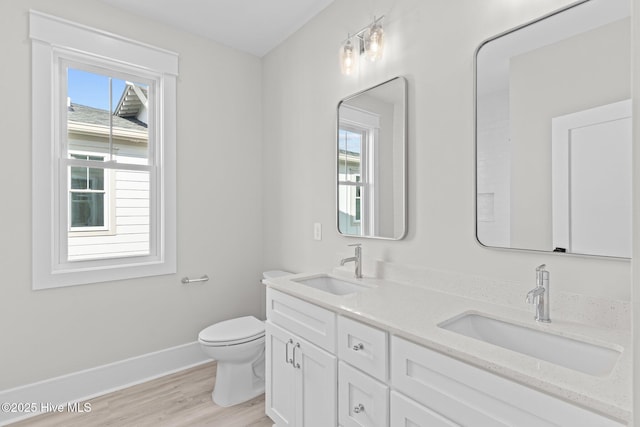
(186, 280)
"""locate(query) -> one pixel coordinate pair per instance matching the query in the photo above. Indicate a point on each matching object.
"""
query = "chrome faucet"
(357, 259)
(539, 296)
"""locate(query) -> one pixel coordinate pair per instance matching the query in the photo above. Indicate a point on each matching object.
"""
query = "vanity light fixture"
(368, 41)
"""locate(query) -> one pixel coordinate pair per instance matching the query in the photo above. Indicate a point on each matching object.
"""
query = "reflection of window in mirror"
(357, 136)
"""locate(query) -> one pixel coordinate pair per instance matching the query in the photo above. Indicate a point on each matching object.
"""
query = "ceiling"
(253, 26)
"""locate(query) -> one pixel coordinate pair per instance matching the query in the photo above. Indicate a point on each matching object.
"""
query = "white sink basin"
(573, 354)
(332, 285)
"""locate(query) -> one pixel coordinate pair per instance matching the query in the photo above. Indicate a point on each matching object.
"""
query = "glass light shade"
(374, 42)
(348, 58)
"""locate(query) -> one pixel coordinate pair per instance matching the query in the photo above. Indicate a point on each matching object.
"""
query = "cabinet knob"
(358, 347)
(359, 408)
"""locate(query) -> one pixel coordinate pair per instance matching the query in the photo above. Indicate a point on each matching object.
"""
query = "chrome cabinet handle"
(358, 347)
(359, 408)
(286, 352)
(294, 362)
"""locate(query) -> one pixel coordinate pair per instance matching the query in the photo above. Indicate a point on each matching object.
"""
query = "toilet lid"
(240, 329)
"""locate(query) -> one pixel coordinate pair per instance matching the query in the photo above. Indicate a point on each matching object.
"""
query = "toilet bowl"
(238, 346)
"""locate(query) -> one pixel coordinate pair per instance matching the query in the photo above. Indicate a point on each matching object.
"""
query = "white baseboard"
(83, 385)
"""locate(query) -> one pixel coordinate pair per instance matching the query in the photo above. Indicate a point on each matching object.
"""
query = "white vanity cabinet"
(301, 376)
(326, 370)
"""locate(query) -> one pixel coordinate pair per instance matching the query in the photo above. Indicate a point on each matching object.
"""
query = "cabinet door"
(405, 412)
(316, 391)
(363, 346)
(362, 400)
(279, 376)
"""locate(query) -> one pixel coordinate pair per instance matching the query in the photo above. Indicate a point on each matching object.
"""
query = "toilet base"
(238, 382)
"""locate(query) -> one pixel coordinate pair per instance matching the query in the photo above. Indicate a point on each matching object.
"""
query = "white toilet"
(238, 347)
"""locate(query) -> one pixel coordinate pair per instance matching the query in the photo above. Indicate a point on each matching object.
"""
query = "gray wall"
(53, 332)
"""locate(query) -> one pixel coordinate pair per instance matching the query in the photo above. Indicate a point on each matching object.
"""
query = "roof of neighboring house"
(133, 99)
(84, 114)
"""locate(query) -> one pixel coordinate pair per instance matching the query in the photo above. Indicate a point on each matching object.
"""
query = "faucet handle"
(541, 267)
(355, 244)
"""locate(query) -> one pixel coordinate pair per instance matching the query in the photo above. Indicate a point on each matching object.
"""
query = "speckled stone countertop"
(414, 312)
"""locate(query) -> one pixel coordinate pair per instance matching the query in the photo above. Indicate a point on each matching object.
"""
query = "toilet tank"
(272, 274)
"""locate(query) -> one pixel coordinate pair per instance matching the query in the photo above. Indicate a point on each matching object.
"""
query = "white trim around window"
(55, 40)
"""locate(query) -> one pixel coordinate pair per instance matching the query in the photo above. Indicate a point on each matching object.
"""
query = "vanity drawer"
(471, 396)
(364, 347)
(406, 412)
(362, 400)
(308, 321)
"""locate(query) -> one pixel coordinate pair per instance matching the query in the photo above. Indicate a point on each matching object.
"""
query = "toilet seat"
(232, 332)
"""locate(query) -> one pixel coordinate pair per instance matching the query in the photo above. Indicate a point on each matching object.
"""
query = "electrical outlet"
(317, 231)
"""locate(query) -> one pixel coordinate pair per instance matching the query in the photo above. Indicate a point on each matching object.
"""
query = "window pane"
(348, 210)
(87, 209)
(349, 154)
(96, 179)
(116, 126)
(79, 178)
(127, 229)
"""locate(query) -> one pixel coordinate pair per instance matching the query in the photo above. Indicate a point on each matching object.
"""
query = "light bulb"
(374, 42)
(348, 58)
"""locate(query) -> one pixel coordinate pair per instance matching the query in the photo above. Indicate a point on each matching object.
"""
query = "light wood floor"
(180, 399)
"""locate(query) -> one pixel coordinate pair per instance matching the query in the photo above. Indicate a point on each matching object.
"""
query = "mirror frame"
(404, 144)
(475, 131)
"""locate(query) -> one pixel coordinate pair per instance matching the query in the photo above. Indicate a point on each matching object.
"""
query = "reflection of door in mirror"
(568, 62)
(591, 181)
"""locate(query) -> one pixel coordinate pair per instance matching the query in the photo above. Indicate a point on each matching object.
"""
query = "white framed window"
(104, 143)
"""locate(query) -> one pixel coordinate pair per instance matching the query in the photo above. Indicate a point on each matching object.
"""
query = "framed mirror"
(553, 133)
(371, 162)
